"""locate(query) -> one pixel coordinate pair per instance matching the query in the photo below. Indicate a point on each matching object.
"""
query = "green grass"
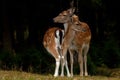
(17, 75)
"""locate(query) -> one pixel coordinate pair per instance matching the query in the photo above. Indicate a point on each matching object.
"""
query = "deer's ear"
(71, 10)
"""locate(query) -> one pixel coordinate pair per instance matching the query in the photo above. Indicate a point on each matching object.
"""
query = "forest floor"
(20, 75)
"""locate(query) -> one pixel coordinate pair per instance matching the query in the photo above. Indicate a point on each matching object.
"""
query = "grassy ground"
(16, 75)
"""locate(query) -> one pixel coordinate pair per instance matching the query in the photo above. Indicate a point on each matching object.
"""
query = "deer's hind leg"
(86, 49)
(56, 55)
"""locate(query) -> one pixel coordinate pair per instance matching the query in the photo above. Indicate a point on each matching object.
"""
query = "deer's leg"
(63, 60)
(56, 55)
(85, 59)
(57, 66)
(62, 66)
(66, 65)
(80, 60)
(71, 61)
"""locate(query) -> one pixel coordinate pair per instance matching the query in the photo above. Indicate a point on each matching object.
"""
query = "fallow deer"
(52, 42)
(74, 40)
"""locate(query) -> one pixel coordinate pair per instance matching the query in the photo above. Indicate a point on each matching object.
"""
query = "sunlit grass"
(16, 75)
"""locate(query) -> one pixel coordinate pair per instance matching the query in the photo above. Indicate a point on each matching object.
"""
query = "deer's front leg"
(71, 61)
(80, 60)
(64, 61)
(62, 65)
(66, 65)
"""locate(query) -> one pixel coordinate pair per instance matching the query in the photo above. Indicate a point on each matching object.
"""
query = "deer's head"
(64, 16)
(75, 19)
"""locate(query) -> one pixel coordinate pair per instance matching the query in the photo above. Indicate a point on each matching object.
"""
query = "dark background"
(24, 23)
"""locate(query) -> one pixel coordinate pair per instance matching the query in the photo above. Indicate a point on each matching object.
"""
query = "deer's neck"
(69, 32)
(65, 27)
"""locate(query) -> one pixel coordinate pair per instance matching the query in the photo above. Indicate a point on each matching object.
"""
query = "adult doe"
(52, 42)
